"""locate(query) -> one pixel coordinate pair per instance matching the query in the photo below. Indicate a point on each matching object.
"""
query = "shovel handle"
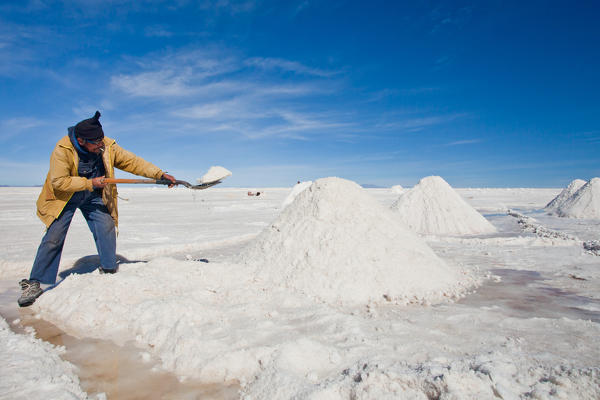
(188, 185)
(120, 180)
(147, 181)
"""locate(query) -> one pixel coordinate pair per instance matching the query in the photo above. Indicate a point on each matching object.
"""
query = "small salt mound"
(585, 203)
(397, 189)
(566, 193)
(338, 244)
(215, 173)
(433, 207)
(299, 187)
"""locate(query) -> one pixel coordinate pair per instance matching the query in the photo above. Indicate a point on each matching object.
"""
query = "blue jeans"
(47, 260)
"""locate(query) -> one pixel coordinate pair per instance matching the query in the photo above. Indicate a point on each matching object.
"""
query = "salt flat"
(528, 328)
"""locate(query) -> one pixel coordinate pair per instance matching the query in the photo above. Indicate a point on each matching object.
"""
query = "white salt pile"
(397, 189)
(585, 203)
(339, 245)
(433, 207)
(299, 187)
(566, 193)
(215, 173)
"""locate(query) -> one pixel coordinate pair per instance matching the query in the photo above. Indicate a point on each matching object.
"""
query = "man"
(78, 165)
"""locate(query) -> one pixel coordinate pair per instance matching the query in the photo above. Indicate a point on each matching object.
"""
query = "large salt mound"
(585, 203)
(566, 193)
(433, 207)
(338, 244)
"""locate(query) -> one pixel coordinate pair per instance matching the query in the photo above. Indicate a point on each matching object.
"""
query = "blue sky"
(482, 93)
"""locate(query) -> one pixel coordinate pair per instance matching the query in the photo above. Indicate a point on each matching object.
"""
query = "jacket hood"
(75, 144)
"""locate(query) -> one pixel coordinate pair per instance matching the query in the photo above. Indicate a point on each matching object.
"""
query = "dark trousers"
(47, 260)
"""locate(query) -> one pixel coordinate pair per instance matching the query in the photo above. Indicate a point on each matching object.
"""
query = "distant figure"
(78, 165)
(253, 194)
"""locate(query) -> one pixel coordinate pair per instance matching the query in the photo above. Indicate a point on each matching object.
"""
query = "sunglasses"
(93, 141)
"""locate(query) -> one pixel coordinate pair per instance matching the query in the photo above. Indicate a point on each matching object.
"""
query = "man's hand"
(171, 178)
(98, 183)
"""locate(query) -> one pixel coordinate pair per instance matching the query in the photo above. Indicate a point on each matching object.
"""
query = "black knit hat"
(90, 129)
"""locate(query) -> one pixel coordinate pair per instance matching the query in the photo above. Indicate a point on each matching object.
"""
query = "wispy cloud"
(463, 142)
(14, 126)
(157, 31)
(223, 92)
(415, 124)
(443, 18)
(21, 46)
(230, 6)
(164, 83)
(592, 136)
(289, 66)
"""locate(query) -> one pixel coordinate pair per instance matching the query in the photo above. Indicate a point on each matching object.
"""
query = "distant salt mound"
(585, 203)
(397, 189)
(566, 193)
(433, 207)
(299, 187)
(339, 245)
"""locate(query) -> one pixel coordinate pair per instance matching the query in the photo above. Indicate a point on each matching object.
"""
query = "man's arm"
(129, 162)
(61, 164)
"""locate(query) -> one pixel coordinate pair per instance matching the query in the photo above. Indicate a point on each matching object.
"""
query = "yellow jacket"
(63, 179)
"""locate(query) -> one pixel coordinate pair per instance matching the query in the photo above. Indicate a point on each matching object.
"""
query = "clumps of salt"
(584, 203)
(215, 173)
(566, 193)
(339, 245)
(433, 207)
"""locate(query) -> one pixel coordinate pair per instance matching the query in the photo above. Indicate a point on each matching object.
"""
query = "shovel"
(188, 185)
(213, 177)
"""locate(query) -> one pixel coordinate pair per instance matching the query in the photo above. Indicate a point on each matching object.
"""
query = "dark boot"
(31, 291)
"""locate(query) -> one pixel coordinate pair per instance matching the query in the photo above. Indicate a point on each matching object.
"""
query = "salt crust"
(32, 369)
(584, 203)
(433, 207)
(213, 322)
(563, 196)
(485, 376)
(339, 245)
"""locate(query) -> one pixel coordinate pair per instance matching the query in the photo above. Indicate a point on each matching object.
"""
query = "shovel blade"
(201, 186)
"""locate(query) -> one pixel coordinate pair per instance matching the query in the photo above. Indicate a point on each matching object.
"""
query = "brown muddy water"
(121, 372)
